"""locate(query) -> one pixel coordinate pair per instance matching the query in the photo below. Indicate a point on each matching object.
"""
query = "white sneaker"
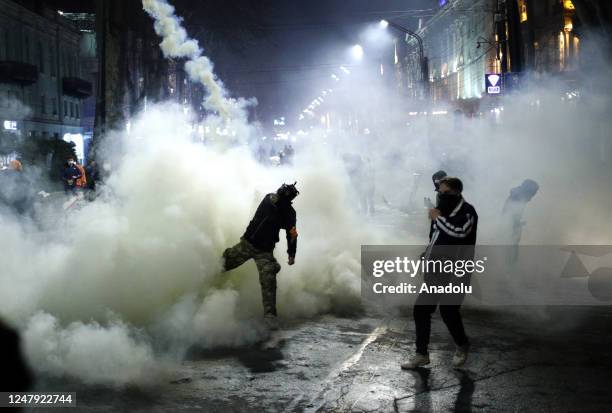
(461, 355)
(417, 360)
(271, 322)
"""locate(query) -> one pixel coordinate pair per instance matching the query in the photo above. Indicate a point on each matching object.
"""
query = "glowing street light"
(357, 52)
(384, 24)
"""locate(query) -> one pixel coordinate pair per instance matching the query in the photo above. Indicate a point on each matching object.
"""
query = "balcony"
(23, 74)
(76, 87)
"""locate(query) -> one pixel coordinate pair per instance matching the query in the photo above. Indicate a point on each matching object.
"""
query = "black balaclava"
(448, 202)
(287, 193)
(437, 177)
(436, 181)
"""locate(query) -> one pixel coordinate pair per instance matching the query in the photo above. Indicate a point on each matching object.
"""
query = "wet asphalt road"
(532, 359)
(528, 359)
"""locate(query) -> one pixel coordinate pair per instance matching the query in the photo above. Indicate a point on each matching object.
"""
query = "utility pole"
(423, 62)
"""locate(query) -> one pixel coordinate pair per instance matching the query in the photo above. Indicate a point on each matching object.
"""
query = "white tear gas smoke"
(176, 43)
(115, 291)
(150, 254)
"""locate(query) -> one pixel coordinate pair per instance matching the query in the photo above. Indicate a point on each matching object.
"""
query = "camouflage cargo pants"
(267, 266)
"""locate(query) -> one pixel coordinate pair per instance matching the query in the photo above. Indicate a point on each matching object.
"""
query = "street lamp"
(357, 52)
(422, 59)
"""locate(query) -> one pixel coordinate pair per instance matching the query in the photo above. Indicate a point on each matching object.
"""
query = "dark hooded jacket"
(272, 215)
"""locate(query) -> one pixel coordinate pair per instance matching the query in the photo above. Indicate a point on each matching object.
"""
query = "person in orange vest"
(70, 174)
(81, 181)
(16, 165)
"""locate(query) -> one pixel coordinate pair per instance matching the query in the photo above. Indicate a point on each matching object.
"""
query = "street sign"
(493, 83)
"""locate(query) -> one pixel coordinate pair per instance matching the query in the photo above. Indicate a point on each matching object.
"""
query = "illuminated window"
(561, 50)
(568, 5)
(567, 24)
(522, 10)
(576, 46)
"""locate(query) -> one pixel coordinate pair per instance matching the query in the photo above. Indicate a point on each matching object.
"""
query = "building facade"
(88, 61)
(468, 39)
(41, 74)
(547, 39)
(460, 46)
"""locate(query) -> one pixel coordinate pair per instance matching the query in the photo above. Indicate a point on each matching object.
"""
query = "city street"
(306, 206)
(555, 360)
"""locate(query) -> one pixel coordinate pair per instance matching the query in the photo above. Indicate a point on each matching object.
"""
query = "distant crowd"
(19, 190)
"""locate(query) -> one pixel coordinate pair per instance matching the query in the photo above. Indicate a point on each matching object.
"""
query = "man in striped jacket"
(453, 236)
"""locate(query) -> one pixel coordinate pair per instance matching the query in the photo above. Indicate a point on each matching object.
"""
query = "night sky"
(305, 42)
(300, 44)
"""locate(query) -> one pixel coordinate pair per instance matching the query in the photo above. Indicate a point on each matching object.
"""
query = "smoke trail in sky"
(176, 43)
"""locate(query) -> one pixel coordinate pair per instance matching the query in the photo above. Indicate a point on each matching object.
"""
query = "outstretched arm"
(292, 235)
(292, 244)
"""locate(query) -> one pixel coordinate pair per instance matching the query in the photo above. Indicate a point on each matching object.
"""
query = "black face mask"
(448, 202)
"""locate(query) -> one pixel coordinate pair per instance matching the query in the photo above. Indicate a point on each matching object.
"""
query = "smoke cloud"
(116, 291)
(150, 254)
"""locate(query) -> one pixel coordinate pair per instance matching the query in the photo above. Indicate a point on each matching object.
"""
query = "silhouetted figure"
(261, 155)
(275, 212)
(15, 375)
(368, 187)
(514, 207)
(288, 153)
(93, 175)
(70, 174)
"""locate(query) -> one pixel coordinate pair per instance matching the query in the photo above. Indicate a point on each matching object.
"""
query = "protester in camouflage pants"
(267, 266)
(274, 213)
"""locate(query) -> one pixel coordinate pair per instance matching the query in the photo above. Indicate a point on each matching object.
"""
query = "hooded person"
(513, 211)
(81, 181)
(275, 212)
(517, 201)
(455, 224)
(15, 165)
(70, 174)
(437, 177)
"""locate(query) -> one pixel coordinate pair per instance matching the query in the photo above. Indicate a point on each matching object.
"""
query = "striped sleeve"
(459, 226)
